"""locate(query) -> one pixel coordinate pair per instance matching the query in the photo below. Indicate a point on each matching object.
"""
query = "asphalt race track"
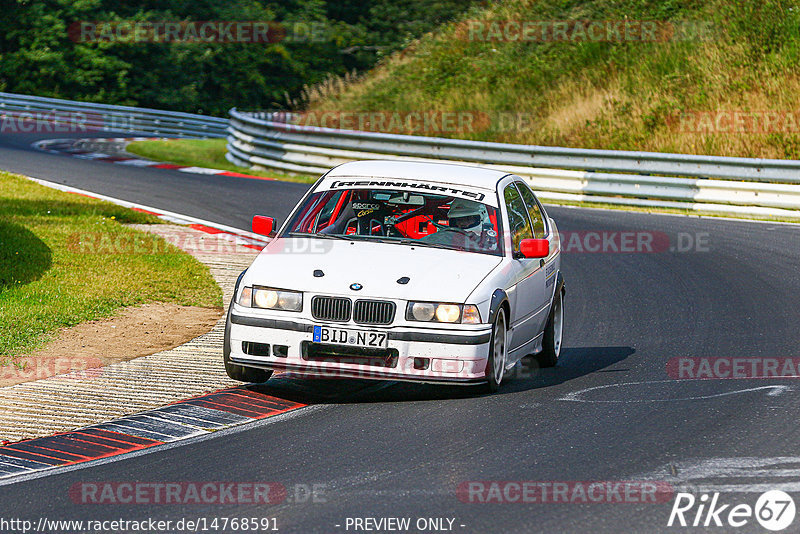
(610, 411)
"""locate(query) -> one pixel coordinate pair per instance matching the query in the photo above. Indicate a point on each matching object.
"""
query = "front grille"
(345, 354)
(331, 308)
(373, 312)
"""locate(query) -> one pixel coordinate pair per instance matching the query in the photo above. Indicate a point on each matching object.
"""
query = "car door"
(541, 230)
(528, 276)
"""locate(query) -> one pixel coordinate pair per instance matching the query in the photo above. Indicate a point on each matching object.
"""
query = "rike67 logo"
(774, 510)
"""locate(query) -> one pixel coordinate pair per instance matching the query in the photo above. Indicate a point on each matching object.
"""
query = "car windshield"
(400, 216)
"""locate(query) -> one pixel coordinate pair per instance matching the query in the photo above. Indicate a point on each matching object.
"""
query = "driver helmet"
(466, 215)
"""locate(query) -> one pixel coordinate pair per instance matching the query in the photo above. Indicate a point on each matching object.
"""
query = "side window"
(518, 223)
(324, 216)
(535, 213)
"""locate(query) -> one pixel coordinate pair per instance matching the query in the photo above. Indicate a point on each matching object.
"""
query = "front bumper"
(456, 356)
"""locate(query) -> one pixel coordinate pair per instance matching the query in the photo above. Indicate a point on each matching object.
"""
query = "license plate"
(356, 338)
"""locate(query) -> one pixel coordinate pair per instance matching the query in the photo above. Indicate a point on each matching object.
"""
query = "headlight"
(265, 298)
(271, 299)
(448, 313)
(422, 311)
(443, 312)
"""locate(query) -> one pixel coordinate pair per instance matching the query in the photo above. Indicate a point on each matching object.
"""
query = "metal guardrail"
(22, 112)
(744, 186)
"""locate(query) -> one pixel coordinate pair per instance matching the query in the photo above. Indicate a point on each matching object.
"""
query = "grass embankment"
(66, 259)
(209, 153)
(626, 94)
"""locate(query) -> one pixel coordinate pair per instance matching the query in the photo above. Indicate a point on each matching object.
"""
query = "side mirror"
(263, 225)
(534, 248)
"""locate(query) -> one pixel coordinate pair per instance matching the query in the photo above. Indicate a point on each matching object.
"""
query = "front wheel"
(251, 375)
(496, 364)
(553, 334)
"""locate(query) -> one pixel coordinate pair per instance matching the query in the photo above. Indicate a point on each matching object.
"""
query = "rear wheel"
(553, 334)
(498, 350)
(237, 372)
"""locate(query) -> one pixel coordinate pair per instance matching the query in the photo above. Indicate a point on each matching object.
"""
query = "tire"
(240, 373)
(498, 352)
(553, 334)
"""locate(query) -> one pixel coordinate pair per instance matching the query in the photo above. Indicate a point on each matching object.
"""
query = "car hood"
(434, 274)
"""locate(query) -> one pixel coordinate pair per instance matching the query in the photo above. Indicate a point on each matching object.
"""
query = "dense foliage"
(41, 54)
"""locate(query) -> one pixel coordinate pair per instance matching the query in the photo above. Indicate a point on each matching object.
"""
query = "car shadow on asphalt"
(573, 363)
(526, 375)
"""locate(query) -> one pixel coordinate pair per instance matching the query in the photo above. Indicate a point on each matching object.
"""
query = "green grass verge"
(66, 259)
(208, 153)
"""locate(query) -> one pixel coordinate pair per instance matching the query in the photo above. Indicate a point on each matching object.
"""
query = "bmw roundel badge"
(356, 286)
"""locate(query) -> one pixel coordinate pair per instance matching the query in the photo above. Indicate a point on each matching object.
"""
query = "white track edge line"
(175, 217)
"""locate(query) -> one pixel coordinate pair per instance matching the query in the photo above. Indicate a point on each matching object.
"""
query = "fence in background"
(22, 113)
(268, 140)
(647, 179)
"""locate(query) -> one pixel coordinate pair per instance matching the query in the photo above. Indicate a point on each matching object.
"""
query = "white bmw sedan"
(396, 270)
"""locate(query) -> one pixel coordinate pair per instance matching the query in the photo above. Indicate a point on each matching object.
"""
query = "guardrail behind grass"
(19, 111)
(745, 186)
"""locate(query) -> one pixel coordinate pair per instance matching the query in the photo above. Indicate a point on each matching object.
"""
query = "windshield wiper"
(407, 241)
(323, 236)
(377, 239)
(426, 244)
